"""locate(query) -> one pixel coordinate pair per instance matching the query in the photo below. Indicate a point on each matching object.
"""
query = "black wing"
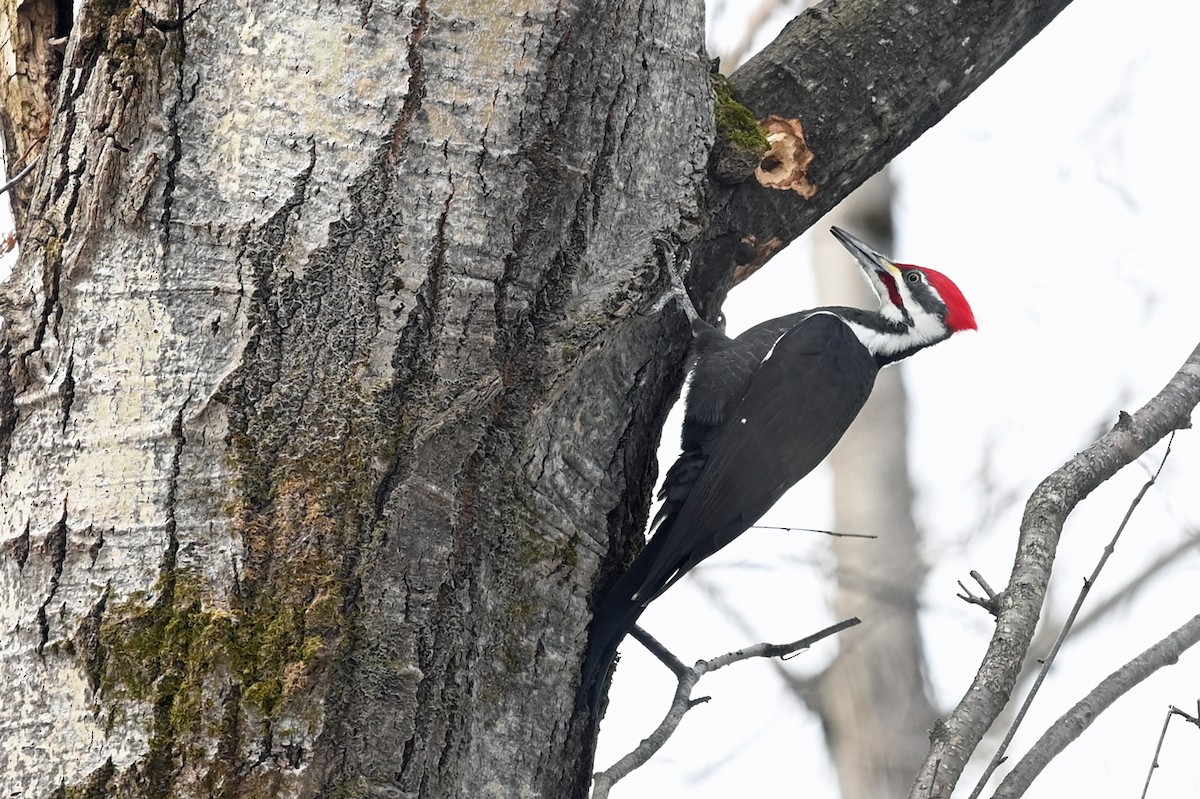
(796, 407)
(724, 368)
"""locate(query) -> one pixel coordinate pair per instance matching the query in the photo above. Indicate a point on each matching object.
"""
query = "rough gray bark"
(324, 402)
(872, 698)
(325, 392)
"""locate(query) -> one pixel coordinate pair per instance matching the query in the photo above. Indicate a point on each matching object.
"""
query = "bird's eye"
(913, 277)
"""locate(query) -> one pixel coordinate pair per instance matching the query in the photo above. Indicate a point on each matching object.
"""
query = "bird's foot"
(678, 262)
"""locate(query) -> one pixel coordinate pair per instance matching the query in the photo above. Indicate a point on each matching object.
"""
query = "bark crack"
(416, 80)
(173, 113)
(180, 440)
(50, 306)
(43, 629)
(96, 546)
(8, 406)
(68, 392)
(21, 548)
(57, 544)
(56, 547)
(413, 362)
(88, 640)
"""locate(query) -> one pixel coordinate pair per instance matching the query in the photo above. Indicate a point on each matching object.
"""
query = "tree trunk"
(872, 699)
(325, 391)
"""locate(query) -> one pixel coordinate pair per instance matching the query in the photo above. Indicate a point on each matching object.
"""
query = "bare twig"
(1072, 723)
(953, 740)
(1099, 611)
(17, 178)
(683, 701)
(812, 530)
(1169, 557)
(1162, 736)
(991, 603)
(1172, 711)
(659, 651)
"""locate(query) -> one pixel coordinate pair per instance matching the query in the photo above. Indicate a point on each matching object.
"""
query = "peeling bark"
(32, 39)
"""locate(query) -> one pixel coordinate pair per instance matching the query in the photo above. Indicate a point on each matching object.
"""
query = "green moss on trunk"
(216, 669)
(736, 123)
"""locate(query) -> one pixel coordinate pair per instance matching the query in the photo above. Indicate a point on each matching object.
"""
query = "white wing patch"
(774, 344)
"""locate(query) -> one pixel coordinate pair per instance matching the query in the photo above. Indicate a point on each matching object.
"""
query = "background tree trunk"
(872, 698)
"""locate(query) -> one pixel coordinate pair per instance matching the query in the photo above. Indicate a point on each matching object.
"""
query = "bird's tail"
(644, 580)
(614, 618)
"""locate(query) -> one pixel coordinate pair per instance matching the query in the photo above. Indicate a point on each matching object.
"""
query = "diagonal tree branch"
(1072, 723)
(953, 740)
(1001, 751)
(866, 78)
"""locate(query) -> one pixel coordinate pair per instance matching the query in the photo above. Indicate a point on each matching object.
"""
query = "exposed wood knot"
(785, 165)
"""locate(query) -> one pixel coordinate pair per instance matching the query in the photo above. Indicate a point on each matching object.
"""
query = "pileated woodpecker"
(762, 411)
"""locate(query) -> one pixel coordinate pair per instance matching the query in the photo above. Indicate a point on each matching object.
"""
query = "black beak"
(869, 259)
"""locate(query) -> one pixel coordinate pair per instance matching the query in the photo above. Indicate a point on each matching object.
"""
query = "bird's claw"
(678, 262)
(677, 258)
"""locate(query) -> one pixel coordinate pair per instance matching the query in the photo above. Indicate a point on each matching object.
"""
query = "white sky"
(1060, 198)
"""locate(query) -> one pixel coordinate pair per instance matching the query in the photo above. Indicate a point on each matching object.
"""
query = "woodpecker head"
(917, 306)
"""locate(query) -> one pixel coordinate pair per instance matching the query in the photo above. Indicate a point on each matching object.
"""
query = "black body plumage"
(762, 411)
(753, 426)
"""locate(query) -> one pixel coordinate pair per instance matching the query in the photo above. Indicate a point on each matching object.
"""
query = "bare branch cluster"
(1019, 605)
(1000, 754)
(1069, 726)
(683, 701)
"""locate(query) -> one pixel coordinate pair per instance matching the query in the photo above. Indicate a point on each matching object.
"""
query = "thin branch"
(683, 702)
(1072, 723)
(1172, 711)
(659, 651)
(1001, 751)
(1162, 736)
(17, 178)
(953, 740)
(1185, 546)
(1043, 639)
(812, 530)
